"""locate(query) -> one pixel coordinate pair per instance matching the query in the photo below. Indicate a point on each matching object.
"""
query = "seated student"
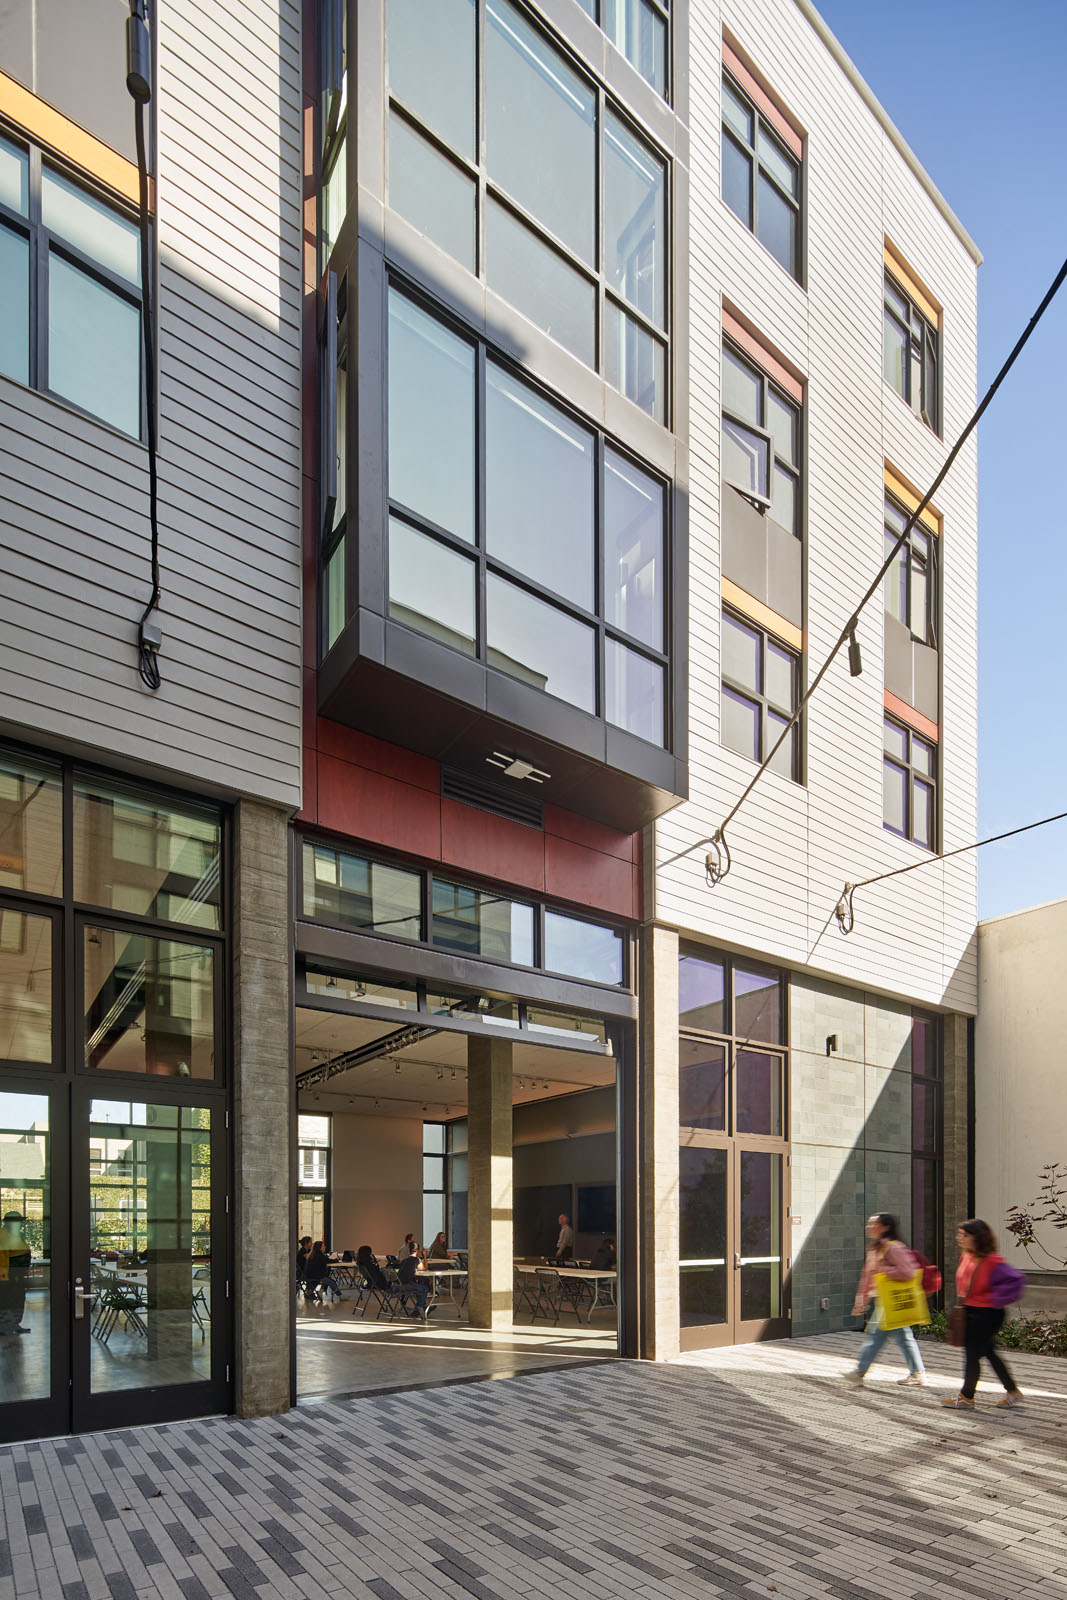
(406, 1272)
(438, 1250)
(409, 1242)
(367, 1263)
(301, 1257)
(604, 1257)
(317, 1275)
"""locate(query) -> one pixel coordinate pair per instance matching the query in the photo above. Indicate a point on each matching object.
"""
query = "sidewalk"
(743, 1472)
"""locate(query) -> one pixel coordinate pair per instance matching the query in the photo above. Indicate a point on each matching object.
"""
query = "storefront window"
(31, 833)
(146, 857)
(149, 1004)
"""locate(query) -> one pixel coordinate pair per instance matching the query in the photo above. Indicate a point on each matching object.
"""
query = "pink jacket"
(897, 1262)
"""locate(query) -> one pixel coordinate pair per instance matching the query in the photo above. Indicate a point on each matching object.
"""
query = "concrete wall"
(795, 845)
(377, 1182)
(74, 557)
(1020, 1105)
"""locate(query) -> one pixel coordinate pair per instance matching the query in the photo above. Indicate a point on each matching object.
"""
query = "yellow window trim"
(740, 600)
(910, 498)
(49, 127)
(898, 267)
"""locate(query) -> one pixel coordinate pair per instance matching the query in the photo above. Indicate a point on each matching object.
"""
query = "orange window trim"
(909, 281)
(46, 126)
(746, 605)
(783, 127)
(910, 499)
(762, 355)
(914, 719)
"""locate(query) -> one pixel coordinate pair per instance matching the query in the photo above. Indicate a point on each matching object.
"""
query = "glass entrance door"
(759, 1261)
(148, 1291)
(733, 1266)
(34, 1383)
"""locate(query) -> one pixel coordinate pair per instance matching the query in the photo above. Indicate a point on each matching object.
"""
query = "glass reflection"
(15, 298)
(480, 922)
(633, 549)
(533, 641)
(25, 1248)
(147, 857)
(761, 1236)
(635, 28)
(539, 489)
(758, 1093)
(758, 1004)
(701, 993)
(635, 190)
(355, 893)
(633, 692)
(539, 283)
(703, 1194)
(635, 363)
(94, 346)
(431, 65)
(31, 829)
(14, 177)
(149, 1005)
(702, 1084)
(431, 192)
(540, 129)
(95, 229)
(25, 987)
(583, 949)
(431, 419)
(431, 588)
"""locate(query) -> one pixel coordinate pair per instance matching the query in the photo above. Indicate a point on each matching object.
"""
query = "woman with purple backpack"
(986, 1285)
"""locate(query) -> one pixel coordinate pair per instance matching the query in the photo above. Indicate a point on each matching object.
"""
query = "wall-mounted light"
(855, 659)
(831, 1043)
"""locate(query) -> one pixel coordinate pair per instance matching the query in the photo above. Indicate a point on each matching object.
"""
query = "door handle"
(737, 1260)
(81, 1298)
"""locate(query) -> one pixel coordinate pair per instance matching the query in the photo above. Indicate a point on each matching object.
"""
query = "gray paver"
(734, 1473)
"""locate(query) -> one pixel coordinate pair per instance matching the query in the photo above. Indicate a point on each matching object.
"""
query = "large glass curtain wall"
(519, 535)
(527, 174)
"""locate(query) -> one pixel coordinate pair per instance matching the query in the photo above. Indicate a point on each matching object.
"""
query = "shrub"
(1037, 1335)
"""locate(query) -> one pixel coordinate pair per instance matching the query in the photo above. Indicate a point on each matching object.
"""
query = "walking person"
(888, 1254)
(986, 1285)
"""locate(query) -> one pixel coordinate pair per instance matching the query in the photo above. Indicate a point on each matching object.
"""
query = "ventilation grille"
(510, 803)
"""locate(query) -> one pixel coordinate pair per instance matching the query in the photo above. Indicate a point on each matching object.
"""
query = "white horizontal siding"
(794, 847)
(74, 547)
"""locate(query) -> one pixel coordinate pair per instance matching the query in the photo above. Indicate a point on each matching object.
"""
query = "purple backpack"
(1005, 1284)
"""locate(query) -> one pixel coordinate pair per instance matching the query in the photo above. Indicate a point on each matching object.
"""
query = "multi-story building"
(520, 482)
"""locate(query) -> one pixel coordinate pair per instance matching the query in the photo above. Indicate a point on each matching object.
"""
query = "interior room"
(387, 1150)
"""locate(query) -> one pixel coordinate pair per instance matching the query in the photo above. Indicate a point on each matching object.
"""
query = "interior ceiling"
(429, 1077)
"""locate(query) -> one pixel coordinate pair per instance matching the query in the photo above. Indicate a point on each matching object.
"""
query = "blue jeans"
(876, 1338)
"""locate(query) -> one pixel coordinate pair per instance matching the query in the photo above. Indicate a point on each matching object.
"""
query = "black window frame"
(760, 699)
(757, 169)
(488, 193)
(463, 880)
(924, 354)
(763, 503)
(912, 556)
(487, 565)
(43, 242)
(913, 775)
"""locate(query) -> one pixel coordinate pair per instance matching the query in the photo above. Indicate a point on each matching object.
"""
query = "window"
(434, 1156)
(313, 1197)
(501, 544)
(910, 592)
(760, 439)
(639, 28)
(356, 893)
(72, 326)
(573, 229)
(478, 922)
(333, 124)
(910, 353)
(909, 784)
(760, 689)
(149, 1004)
(146, 857)
(760, 176)
(926, 1135)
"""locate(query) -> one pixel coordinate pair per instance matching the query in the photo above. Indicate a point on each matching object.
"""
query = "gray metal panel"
(785, 565)
(744, 544)
(925, 679)
(898, 659)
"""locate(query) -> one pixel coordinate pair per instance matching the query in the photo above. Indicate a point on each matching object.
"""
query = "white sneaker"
(855, 1380)
(914, 1380)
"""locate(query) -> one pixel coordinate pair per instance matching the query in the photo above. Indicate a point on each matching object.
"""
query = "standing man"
(565, 1242)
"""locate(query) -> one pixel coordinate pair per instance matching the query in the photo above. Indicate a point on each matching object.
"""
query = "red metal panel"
(375, 809)
(309, 811)
(589, 877)
(476, 841)
(334, 739)
(594, 835)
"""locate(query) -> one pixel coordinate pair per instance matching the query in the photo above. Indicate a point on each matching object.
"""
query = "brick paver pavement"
(746, 1472)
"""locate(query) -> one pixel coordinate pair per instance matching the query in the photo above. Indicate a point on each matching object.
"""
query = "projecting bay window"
(909, 784)
(519, 535)
(760, 690)
(334, 471)
(70, 290)
(640, 30)
(333, 124)
(561, 207)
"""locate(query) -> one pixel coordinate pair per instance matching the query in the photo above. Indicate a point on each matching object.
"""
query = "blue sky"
(976, 89)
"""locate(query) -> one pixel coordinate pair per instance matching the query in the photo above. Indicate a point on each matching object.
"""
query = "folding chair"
(525, 1285)
(372, 1292)
(548, 1293)
(400, 1294)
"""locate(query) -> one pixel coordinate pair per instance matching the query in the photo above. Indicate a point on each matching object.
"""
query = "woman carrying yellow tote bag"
(892, 1277)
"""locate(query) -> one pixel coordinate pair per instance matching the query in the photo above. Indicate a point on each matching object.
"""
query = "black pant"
(982, 1326)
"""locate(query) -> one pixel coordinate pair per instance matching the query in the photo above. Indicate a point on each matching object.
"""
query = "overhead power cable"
(846, 920)
(718, 860)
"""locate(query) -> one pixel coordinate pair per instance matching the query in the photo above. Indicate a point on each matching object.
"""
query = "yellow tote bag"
(902, 1304)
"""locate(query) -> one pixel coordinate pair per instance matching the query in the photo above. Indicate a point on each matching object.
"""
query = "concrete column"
(957, 1133)
(658, 1101)
(489, 1194)
(263, 1110)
